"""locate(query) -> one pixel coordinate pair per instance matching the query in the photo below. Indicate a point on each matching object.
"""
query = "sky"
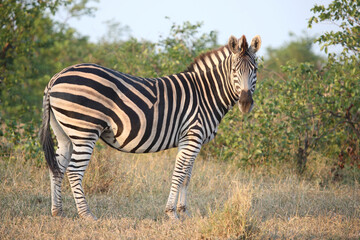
(273, 20)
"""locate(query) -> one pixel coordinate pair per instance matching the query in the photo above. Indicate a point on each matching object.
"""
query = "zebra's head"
(243, 70)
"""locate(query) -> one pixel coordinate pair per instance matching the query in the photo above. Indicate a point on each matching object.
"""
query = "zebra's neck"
(212, 71)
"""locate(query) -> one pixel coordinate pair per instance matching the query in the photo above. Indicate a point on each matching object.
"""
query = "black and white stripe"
(86, 102)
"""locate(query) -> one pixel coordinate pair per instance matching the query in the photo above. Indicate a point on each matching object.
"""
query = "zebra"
(85, 102)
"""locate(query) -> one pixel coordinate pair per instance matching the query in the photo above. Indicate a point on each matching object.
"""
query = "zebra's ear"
(256, 43)
(234, 45)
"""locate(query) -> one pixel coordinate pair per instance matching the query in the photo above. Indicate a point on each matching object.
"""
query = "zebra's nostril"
(245, 101)
(245, 97)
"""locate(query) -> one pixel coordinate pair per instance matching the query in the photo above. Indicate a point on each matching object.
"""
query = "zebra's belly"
(122, 143)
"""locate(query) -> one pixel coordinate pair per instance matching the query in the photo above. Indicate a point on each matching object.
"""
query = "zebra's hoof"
(183, 212)
(172, 215)
(58, 213)
(88, 216)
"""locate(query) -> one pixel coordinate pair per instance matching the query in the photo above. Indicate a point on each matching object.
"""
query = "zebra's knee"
(63, 155)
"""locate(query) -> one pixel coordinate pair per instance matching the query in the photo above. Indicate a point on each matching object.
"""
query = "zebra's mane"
(202, 57)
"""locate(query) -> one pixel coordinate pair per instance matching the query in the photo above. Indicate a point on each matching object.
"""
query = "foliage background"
(307, 106)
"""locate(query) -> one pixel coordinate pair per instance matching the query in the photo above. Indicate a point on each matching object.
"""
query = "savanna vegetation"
(290, 169)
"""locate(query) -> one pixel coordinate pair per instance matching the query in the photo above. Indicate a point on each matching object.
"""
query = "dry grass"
(128, 193)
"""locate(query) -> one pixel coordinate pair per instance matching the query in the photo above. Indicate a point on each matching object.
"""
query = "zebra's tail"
(46, 139)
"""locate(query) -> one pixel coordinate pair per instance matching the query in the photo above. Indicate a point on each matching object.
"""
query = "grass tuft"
(235, 220)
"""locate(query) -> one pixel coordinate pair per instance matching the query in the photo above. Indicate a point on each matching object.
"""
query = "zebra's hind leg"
(82, 150)
(56, 181)
(63, 154)
(181, 176)
(181, 204)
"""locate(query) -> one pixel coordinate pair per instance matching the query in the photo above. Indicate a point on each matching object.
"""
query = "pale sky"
(271, 19)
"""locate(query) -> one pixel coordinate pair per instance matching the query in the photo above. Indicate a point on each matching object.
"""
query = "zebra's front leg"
(79, 161)
(181, 177)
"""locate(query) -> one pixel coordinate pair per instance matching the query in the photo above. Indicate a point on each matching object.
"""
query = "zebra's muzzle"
(245, 102)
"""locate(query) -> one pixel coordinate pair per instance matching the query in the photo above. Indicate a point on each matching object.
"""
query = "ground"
(128, 192)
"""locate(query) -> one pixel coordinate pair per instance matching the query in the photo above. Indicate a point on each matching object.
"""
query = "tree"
(342, 77)
(296, 51)
(31, 46)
